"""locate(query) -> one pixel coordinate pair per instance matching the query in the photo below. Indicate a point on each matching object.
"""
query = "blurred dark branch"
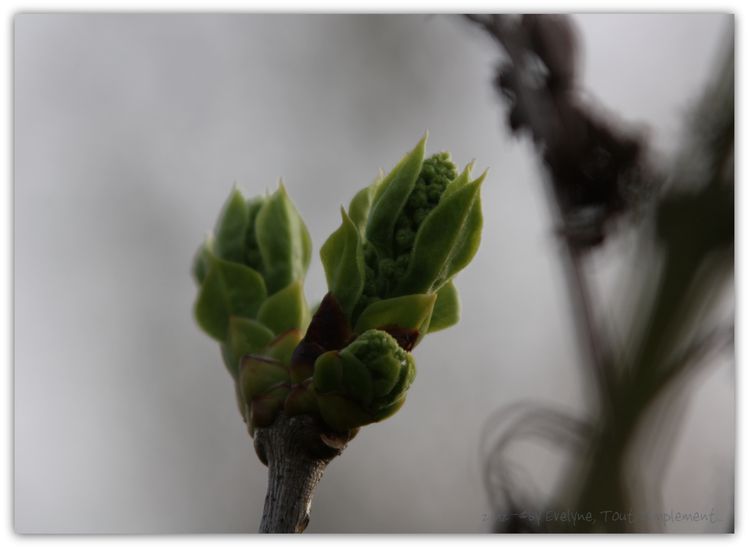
(696, 353)
(708, 153)
(535, 106)
(599, 348)
(598, 171)
(510, 487)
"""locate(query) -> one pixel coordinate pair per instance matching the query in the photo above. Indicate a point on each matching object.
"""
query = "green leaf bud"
(415, 228)
(260, 245)
(386, 362)
(364, 382)
(410, 202)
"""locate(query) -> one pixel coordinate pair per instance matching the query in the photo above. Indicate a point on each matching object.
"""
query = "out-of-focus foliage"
(685, 225)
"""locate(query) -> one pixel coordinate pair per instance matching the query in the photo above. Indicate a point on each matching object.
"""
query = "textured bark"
(296, 453)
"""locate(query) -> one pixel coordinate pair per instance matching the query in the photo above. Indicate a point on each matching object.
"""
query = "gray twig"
(294, 469)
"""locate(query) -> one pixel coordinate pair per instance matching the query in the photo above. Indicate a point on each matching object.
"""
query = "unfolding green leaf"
(409, 311)
(229, 289)
(258, 375)
(391, 196)
(446, 311)
(459, 181)
(446, 242)
(286, 309)
(283, 240)
(231, 228)
(343, 261)
(246, 336)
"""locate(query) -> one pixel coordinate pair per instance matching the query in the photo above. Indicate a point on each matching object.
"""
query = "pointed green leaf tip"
(460, 181)
(446, 242)
(283, 241)
(391, 196)
(231, 228)
(360, 205)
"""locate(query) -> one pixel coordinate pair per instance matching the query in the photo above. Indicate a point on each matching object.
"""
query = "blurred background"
(130, 131)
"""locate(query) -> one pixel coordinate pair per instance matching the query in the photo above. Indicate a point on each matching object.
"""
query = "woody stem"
(293, 473)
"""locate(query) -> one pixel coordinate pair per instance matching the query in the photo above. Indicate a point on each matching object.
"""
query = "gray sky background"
(129, 133)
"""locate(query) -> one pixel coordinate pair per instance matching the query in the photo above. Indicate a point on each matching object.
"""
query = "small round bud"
(365, 382)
